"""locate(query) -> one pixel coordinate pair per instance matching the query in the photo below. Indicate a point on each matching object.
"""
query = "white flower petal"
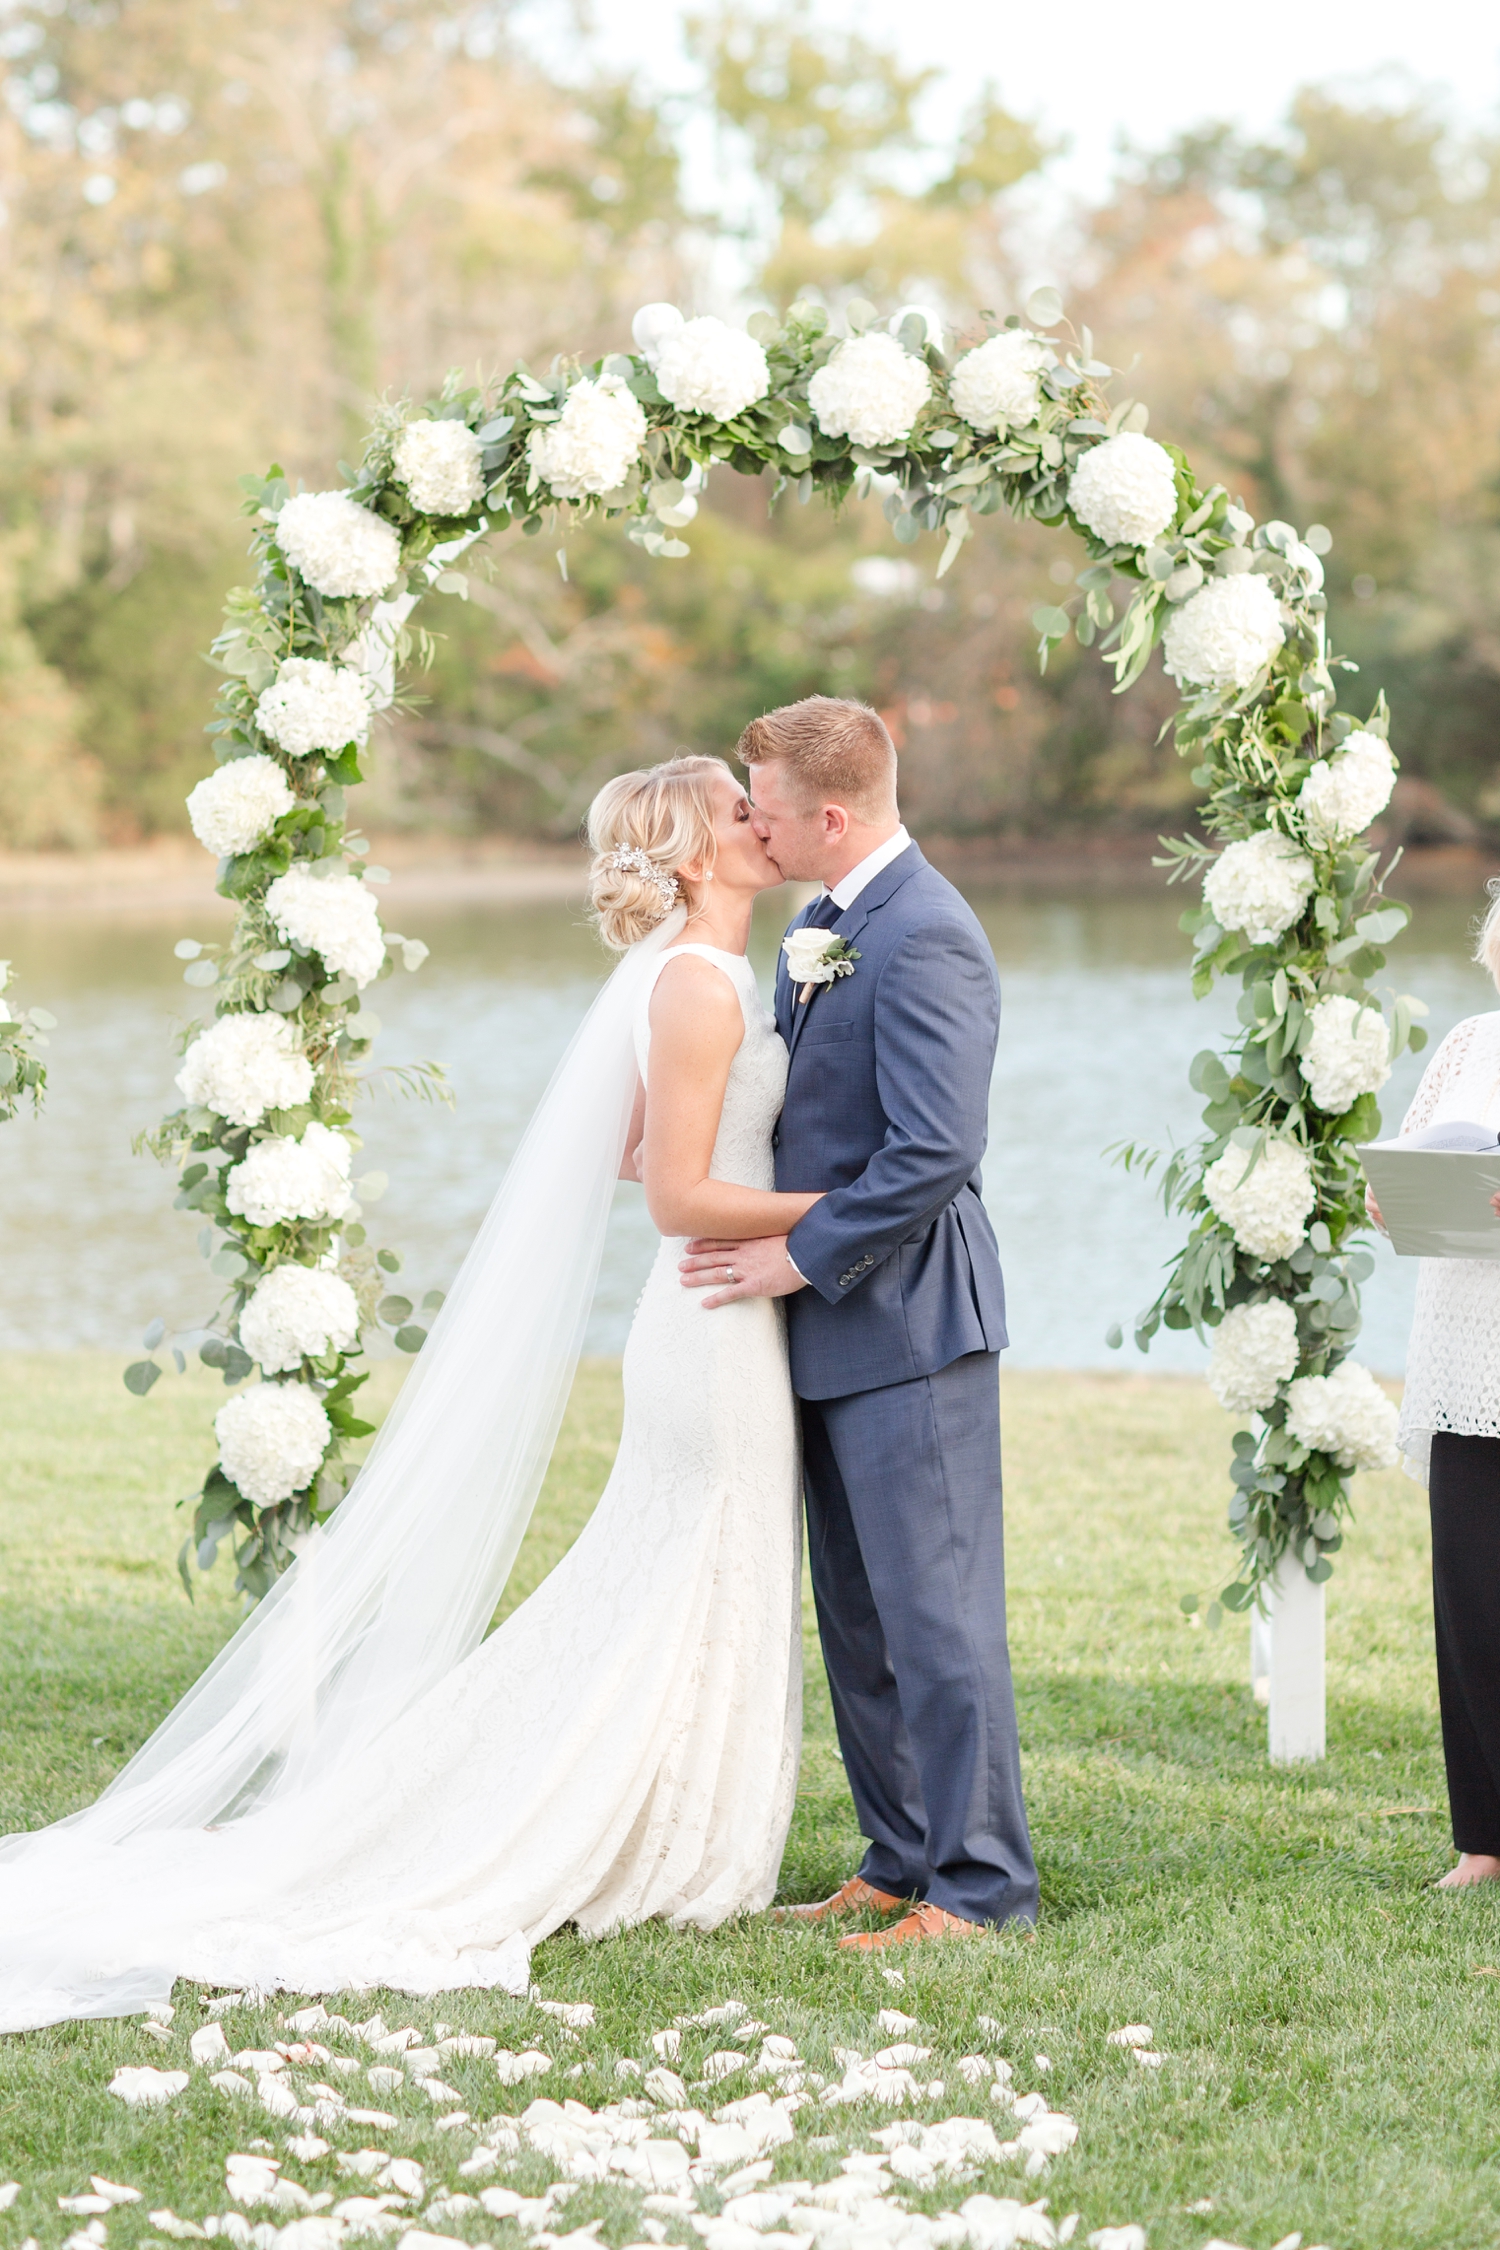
(146, 2088)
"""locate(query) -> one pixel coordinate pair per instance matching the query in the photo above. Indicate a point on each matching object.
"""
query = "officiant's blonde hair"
(666, 812)
(1487, 946)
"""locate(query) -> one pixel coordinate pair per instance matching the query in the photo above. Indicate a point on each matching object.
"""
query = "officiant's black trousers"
(1465, 1496)
(907, 1551)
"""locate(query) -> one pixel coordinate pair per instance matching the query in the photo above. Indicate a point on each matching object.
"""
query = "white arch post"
(1286, 1666)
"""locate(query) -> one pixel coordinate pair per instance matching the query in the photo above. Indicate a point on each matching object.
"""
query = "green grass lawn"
(1329, 2022)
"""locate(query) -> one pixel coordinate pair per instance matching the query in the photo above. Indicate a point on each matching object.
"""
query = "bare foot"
(1473, 1867)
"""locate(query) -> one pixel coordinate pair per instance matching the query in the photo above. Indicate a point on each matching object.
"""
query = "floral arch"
(1292, 900)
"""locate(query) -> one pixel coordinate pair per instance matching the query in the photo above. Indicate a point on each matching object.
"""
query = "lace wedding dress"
(1453, 1359)
(625, 1745)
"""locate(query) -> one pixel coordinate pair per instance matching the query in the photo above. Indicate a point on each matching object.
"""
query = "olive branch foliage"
(1251, 749)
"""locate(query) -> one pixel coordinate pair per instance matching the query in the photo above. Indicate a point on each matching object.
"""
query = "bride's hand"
(758, 1268)
(1373, 1210)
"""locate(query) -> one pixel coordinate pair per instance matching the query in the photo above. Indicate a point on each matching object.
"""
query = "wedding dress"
(1453, 1359)
(625, 1745)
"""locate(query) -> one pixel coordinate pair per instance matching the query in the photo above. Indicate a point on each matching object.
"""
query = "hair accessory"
(629, 859)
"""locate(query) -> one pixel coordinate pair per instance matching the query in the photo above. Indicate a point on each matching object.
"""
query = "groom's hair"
(830, 748)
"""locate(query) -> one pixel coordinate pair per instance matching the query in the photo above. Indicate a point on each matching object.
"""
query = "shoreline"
(173, 873)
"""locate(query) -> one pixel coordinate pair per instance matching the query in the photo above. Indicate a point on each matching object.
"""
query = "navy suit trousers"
(907, 1548)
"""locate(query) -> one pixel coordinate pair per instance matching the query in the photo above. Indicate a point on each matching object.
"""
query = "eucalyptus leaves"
(1018, 420)
(21, 1073)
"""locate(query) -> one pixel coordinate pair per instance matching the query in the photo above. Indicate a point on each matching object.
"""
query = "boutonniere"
(815, 957)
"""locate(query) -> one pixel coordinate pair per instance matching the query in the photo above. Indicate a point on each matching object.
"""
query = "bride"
(363, 1789)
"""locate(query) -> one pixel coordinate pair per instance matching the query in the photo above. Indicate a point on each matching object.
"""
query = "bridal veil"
(400, 1585)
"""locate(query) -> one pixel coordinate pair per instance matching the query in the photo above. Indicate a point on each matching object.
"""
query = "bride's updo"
(642, 828)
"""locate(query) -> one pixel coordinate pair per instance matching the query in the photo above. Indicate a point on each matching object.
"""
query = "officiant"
(1450, 1439)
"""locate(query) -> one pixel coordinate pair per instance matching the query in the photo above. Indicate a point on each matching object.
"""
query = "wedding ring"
(730, 1274)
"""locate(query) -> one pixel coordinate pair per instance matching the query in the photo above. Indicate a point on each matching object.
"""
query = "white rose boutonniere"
(815, 957)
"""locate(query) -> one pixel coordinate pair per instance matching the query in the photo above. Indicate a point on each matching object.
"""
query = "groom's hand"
(761, 1268)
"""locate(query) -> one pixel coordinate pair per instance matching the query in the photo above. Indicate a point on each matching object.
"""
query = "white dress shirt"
(847, 889)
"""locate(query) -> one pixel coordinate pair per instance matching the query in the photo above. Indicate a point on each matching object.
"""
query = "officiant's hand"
(1373, 1209)
(760, 1268)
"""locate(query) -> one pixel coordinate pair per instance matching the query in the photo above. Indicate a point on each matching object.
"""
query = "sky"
(1093, 71)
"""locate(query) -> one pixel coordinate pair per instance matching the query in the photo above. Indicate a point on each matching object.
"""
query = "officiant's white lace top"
(1453, 1361)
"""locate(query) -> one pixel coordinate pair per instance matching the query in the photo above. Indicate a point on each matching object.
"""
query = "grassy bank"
(1329, 2023)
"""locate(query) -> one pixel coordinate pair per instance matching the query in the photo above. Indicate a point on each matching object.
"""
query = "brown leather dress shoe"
(854, 1897)
(924, 1921)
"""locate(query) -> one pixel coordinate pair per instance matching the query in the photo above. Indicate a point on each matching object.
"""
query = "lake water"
(1099, 1028)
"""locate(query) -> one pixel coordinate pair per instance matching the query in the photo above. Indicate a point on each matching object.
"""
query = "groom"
(896, 1317)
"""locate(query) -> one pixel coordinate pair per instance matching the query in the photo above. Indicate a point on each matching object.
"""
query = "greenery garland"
(1020, 421)
(21, 1073)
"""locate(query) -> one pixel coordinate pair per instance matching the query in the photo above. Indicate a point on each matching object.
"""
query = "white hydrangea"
(1266, 1208)
(1346, 1415)
(1344, 793)
(332, 915)
(707, 367)
(339, 547)
(281, 1179)
(314, 706)
(235, 808)
(297, 1313)
(596, 441)
(1348, 1053)
(1260, 885)
(1254, 1350)
(871, 391)
(1222, 636)
(1125, 490)
(272, 1441)
(439, 464)
(244, 1065)
(997, 386)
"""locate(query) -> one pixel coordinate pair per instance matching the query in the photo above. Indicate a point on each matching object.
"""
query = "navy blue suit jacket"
(887, 1108)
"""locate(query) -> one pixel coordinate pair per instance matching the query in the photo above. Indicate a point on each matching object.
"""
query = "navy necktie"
(824, 914)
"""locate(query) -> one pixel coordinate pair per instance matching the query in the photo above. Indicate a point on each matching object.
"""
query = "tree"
(228, 230)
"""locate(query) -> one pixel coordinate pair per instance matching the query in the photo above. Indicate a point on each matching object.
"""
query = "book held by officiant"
(1434, 1189)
